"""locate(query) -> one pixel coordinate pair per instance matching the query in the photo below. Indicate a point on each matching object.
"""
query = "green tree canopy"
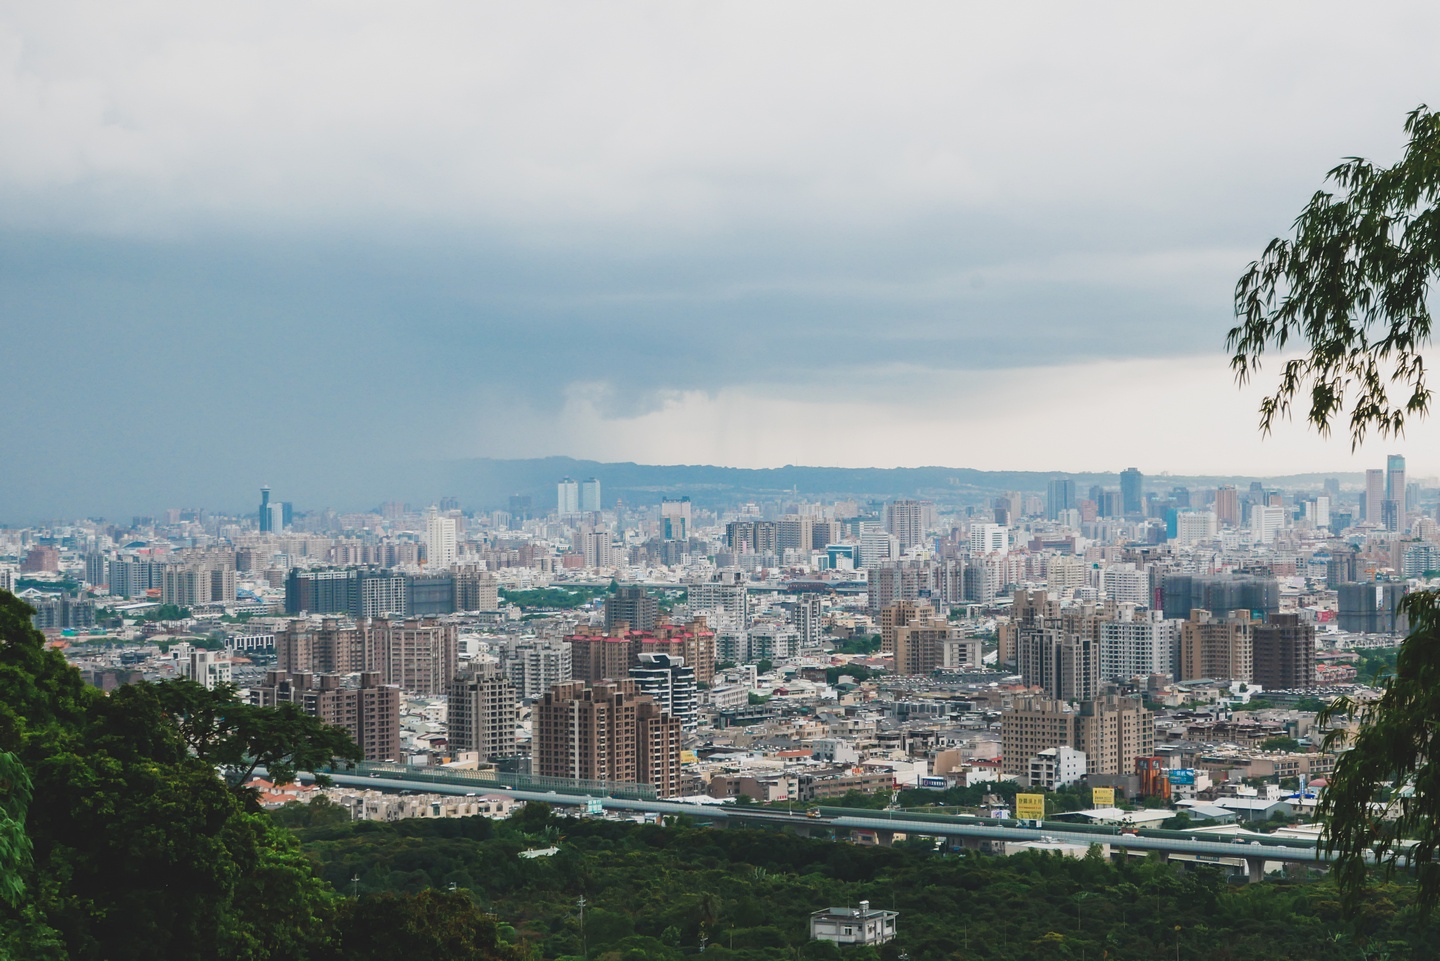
(240, 738)
(1350, 288)
(1398, 741)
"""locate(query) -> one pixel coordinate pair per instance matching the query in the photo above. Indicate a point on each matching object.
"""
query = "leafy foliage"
(1352, 286)
(240, 738)
(136, 849)
(1398, 740)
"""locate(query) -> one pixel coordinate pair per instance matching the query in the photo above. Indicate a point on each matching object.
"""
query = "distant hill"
(486, 483)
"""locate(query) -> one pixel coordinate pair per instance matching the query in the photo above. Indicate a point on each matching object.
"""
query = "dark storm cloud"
(299, 245)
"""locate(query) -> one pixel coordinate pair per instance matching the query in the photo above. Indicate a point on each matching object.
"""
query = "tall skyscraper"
(1393, 511)
(567, 496)
(1395, 478)
(906, 520)
(675, 518)
(1060, 496)
(590, 496)
(1374, 496)
(265, 510)
(440, 541)
(1227, 506)
(1132, 496)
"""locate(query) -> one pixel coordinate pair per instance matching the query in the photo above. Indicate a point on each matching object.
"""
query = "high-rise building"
(724, 601)
(1182, 593)
(1374, 496)
(482, 711)
(906, 520)
(96, 569)
(606, 732)
(1266, 522)
(1370, 607)
(1064, 664)
(633, 607)
(809, 619)
(989, 539)
(1227, 506)
(1284, 653)
(476, 589)
(675, 518)
(534, 665)
(1138, 643)
(931, 644)
(760, 537)
(1060, 496)
(1112, 731)
(416, 655)
(1392, 512)
(369, 712)
(897, 614)
(332, 645)
(600, 657)
(1132, 491)
(440, 543)
(1193, 526)
(1213, 649)
(670, 684)
(321, 591)
(590, 496)
(265, 516)
(567, 496)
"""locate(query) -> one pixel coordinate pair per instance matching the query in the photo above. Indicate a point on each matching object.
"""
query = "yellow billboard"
(1030, 807)
(1102, 797)
(689, 757)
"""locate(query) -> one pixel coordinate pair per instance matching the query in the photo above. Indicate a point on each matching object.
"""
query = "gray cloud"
(272, 241)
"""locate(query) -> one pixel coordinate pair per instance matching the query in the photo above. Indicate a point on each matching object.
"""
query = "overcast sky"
(274, 242)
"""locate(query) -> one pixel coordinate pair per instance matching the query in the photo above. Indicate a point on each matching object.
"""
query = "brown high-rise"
(1284, 651)
(370, 712)
(608, 732)
(333, 646)
(419, 654)
(1111, 730)
(1212, 649)
(897, 615)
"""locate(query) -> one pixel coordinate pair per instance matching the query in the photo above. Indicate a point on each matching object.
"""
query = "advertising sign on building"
(1102, 797)
(1030, 807)
(1182, 775)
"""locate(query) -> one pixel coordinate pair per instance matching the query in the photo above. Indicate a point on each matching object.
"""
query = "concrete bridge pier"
(1255, 869)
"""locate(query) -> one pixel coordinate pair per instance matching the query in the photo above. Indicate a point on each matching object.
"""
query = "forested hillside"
(656, 893)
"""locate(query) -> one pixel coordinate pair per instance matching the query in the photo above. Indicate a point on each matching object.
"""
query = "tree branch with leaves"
(1350, 288)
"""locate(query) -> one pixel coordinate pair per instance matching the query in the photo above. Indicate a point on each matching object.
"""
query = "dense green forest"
(120, 838)
(655, 892)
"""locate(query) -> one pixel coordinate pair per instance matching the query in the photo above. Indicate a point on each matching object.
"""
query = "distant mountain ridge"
(487, 483)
